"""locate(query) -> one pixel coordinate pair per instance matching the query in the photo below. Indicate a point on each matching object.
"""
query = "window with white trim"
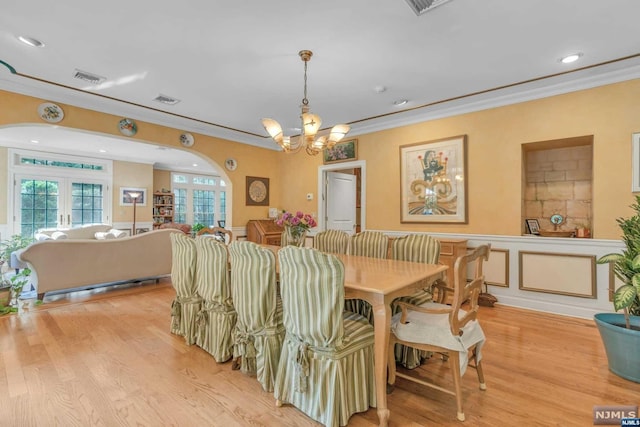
(199, 199)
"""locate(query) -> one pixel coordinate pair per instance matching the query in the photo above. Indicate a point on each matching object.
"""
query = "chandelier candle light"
(310, 126)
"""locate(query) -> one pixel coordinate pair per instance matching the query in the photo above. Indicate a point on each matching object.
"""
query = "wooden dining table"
(379, 282)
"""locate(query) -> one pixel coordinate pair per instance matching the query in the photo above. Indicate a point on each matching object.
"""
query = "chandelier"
(308, 137)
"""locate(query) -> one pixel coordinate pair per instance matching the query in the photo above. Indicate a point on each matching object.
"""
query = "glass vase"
(294, 236)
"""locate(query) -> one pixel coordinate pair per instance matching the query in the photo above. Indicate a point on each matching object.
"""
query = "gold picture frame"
(433, 181)
(344, 151)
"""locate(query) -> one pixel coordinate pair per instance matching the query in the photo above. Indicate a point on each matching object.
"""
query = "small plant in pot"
(15, 284)
(620, 332)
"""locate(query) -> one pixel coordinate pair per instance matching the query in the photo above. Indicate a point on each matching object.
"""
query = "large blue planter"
(621, 344)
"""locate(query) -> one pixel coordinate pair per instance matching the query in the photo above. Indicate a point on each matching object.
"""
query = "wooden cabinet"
(163, 208)
(264, 231)
(450, 250)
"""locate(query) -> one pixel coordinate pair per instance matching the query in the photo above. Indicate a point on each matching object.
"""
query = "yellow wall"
(4, 174)
(16, 109)
(494, 174)
(127, 175)
(161, 179)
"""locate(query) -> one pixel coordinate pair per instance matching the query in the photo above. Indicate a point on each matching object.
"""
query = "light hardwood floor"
(106, 358)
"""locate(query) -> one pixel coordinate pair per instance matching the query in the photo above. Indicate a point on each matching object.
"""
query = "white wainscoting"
(506, 251)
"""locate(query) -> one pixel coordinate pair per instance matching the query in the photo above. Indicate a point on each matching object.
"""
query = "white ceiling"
(233, 63)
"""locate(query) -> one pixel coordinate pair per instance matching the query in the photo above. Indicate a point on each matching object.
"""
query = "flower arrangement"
(300, 221)
(297, 225)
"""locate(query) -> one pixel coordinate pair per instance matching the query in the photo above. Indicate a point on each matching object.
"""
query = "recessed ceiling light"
(31, 41)
(35, 141)
(195, 165)
(102, 150)
(400, 102)
(571, 58)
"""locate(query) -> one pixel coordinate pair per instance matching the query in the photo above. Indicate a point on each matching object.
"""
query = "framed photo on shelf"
(433, 181)
(344, 151)
(127, 200)
(533, 226)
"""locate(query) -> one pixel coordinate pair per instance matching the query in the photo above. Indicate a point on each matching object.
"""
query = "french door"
(57, 202)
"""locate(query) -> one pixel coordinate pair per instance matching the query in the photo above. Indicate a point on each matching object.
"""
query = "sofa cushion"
(117, 233)
(103, 235)
(59, 235)
(41, 236)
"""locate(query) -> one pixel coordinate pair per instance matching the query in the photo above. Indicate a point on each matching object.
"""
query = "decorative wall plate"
(257, 191)
(50, 112)
(127, 127)
(187, 140)
(231, 164)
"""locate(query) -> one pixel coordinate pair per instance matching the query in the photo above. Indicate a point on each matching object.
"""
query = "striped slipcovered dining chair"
(414, 248)
(186, 305)
(326, 366)
(373, 244)
(331, 241)
(259, 332)
(217, 316)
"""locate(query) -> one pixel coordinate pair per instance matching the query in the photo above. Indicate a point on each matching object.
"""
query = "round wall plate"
(50, 112)
(231, 164)
(187, 140)
(127, 127)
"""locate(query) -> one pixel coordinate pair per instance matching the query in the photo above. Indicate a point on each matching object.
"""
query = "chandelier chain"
(305, 101)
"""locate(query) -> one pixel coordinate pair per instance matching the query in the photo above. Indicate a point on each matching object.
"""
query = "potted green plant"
(12, 244)
(620, 332)
(9, 304)
(197, 227)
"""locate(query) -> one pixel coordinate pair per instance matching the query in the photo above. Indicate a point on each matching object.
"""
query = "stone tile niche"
(557, 180)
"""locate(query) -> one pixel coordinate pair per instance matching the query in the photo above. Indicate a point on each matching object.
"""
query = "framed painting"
(257, 191)
(126, 198)
(433, 181)
(341, 152)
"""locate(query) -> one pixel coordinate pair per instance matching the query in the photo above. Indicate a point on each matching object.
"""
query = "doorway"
(357, 168)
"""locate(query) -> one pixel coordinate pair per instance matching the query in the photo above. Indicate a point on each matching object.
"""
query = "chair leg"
(454, 363)
(483, 385)
(391, 365)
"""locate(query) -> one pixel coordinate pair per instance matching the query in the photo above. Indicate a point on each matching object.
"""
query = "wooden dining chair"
(447, 329)
(217, 316)
(186, 305)
(372, 244)
(331, 241)
(326, 365)
(221, 234)
(414, 248)
(259, 332)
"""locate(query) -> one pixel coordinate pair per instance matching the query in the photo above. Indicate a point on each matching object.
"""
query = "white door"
(341, 202)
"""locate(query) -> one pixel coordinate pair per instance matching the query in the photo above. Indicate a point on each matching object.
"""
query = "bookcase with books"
(163, 207)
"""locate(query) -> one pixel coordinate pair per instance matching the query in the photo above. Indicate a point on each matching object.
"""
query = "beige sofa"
(75, 263)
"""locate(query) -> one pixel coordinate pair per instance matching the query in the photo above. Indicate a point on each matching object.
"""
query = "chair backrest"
(416, 248)
(331, 241)
(312, 289)
(467, 290)
(221, 234)
(212, 271)
(183, 264)
(373, 244)
(253, 285)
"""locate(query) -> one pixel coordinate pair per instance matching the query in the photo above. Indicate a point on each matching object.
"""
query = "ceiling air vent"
(420, 7)
(166, 99)
(88, 77)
